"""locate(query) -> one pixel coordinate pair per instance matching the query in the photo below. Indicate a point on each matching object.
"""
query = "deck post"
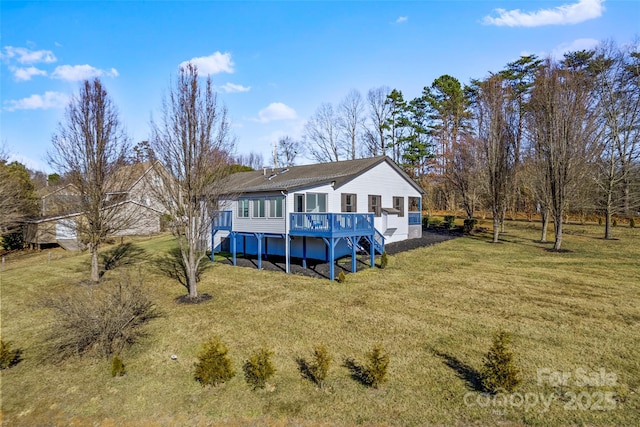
(233, 246)
(287, 255)
(213, 244)
(259, 238)
(353, 253)
(372, 251)
(304, 251)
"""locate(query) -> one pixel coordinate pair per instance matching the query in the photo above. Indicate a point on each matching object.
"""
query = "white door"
(66, 229)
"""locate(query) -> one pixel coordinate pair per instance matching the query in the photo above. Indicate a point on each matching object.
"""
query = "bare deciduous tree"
(563, 127)
(192, 143)
(374, 133)
(351, 114)
(323, 135)
(90, 149)
(287, 150)
(497, 127)
(617, 75)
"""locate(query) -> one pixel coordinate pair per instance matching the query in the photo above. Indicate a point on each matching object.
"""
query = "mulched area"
(320, 269)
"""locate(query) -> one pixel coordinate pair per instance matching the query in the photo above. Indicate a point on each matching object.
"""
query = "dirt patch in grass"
(186, 299)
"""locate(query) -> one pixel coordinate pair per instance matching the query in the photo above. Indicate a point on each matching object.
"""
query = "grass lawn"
(434, 309)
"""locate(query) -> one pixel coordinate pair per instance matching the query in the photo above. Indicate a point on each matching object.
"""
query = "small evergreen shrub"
(615, 223)
(341, 277)
(258, 369)
(376, 368)
(599, 220)
(425, 222)
(117, 367)
(214, 366)
(632, 223)
(500, 372)
(374, 372)
(450, 221)
(469, 225)
(8, 357)
(435, 222)
(384, 260)
(12, 241)
(317, 370)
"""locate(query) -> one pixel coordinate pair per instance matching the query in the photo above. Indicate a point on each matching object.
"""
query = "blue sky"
(273, 63)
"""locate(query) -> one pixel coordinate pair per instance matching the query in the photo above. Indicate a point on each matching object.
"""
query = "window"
(414, 204)
(258, 208)
(275, 207)
(398, 203)
(349, 202)
(299, 204)
(316, 202)
(375, 204)
(243, 208)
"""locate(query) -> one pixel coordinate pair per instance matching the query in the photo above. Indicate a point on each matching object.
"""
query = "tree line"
(542, 136)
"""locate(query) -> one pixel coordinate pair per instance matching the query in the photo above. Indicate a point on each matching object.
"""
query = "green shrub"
(435, 222)
(599, 220)
(214, 366)
(615, 223)
(8, 357)
(341, 277)
(258, 369)
(499, 372)
(469, 225)
(632, 223)
(374, 372)
(425, 221)
(317, 370)
(117, 367)
(384, 260)
(376, 368)
(450, 221)
(12, 241)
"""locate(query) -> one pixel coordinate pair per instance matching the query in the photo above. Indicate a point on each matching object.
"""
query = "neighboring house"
(322, 211)
(131, 193)
(58, 200)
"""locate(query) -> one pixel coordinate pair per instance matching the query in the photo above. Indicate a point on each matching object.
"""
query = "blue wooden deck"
(331, 224)
(356, 229)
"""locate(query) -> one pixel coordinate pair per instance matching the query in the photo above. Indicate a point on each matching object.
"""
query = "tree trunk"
(545, 225)
(607, 224)
(95, 274)
(496, 227)
(557, 227)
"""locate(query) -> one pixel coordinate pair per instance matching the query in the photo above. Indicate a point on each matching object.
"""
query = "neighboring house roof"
(129, 175)
(53, 190)
(297, 177)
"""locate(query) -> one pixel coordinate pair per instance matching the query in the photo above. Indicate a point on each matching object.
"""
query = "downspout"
(287, 240)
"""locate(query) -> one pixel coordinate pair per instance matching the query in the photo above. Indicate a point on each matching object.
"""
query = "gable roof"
(296, 177)
(127, 176)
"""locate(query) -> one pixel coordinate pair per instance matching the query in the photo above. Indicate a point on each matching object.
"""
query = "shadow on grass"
(465, 372)
(358, 372)
(124, 254)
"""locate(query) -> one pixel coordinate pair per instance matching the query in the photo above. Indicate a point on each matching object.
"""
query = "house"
(131, 193)
(321, 211)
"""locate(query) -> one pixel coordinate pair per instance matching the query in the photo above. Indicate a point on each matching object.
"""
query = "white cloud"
(76, 73)
(28, 56)
(402, 19)
(39, 102)
(573, 13)
(276, 111)
(574, 46)
(212, 64)
(25, 74)
(232, 88)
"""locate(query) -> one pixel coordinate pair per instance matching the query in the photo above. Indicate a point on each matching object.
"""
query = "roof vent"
(273, 175)
(283, 171)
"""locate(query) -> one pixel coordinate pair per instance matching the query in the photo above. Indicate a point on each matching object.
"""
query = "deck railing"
(331, 223)
(222, 220)
(415, 218)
